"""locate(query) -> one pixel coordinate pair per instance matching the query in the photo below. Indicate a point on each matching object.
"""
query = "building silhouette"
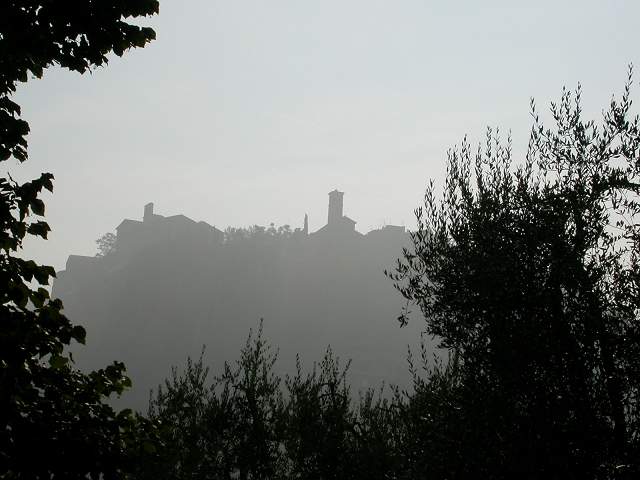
(337, 223)
(172, 284)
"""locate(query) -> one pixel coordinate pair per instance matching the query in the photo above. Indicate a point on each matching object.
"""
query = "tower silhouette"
(335, 207)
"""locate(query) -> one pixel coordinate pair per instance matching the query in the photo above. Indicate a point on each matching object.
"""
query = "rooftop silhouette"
(171, 284)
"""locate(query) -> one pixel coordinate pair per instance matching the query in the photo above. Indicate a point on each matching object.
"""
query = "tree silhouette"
(54, 421)
(229, 426)
(530, 275)
(246, 422)
(106, 244)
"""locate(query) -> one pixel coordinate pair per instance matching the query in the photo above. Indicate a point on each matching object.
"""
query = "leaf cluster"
(257, 233)
(528, 273)
(54, 419)
(250, 422)
(36, 34)
(106, 244)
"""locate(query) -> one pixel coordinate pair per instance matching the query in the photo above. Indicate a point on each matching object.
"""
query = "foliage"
(225, 427)
(257, 233)
(106, 244)
(320, 422)
(255, 395)
(53, 419)
(35, 34)
(244, 424)
(530, 275)
(194, 424)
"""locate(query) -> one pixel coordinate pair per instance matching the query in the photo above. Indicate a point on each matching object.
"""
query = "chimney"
(305, 230)
(335, 207)
(148, 212)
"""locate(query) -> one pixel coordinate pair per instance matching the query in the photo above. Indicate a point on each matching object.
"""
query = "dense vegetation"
(251, 423)
(526, 273)
(529, 273)
(54, 419)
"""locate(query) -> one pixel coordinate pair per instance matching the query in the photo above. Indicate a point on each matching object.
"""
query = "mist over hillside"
(169, 285)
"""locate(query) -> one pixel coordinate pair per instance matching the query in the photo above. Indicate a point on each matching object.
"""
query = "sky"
(249, 112)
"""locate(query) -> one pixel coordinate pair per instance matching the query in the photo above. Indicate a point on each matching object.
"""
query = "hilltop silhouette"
(168, 284)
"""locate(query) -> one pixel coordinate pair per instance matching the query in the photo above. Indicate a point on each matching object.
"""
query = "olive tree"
(528, 273)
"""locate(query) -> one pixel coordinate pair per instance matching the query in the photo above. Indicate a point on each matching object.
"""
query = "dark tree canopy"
(53, 418)
(36, 34)
(530, 274)
(250, 423)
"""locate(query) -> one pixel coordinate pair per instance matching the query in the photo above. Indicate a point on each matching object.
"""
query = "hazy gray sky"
(246, 112)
